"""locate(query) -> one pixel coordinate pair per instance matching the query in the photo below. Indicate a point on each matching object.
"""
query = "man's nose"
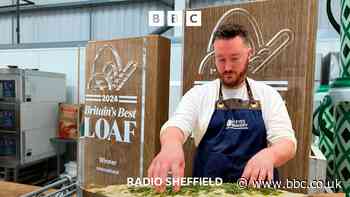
(228, 67)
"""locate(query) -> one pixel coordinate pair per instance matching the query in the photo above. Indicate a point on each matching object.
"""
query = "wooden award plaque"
(126, 103)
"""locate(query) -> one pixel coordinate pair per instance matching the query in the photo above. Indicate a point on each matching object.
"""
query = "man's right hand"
(169, 159)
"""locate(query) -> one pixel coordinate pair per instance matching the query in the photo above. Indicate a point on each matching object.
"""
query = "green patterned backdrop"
(326, 134)
(341, 97)
(342, 144)
(345, 39)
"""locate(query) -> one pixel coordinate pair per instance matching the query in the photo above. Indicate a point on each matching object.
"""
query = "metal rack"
(63, 187)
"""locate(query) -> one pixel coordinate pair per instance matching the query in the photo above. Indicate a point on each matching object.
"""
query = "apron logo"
(236, 124)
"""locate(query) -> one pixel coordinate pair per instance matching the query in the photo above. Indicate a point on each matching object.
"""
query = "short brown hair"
(231, 30)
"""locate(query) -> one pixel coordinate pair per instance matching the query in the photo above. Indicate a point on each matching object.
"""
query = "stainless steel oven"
(9, 150)
(11, 86)
(28, 114)
(9, 117)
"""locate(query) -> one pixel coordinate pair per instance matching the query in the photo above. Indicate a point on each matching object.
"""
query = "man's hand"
(259, 167)
(170, 159)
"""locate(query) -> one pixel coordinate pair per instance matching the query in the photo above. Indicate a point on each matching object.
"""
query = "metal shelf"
(62, 140)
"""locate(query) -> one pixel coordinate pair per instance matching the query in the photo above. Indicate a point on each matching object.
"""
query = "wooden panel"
(292, 22)
(111, 158)
(90, 194)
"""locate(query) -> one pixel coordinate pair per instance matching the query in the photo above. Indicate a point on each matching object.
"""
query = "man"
(241, 127)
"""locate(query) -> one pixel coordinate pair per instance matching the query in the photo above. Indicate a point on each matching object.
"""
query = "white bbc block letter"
(156, 18)
(174, 18)
(193, 18)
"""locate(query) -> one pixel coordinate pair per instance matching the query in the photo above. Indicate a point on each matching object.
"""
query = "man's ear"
(250, 52)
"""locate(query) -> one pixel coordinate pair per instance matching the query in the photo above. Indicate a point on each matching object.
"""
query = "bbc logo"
(174, 18)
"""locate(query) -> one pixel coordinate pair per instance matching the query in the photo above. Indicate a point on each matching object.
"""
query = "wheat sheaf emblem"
(112, 75)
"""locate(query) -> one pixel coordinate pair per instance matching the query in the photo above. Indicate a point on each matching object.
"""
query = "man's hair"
(231, 30)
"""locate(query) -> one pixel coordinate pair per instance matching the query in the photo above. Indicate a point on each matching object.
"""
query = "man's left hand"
(259, 167)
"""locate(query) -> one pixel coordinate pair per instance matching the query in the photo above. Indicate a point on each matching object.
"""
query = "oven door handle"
(23, 146)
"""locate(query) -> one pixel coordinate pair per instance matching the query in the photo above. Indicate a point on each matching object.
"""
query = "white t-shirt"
(196, 107)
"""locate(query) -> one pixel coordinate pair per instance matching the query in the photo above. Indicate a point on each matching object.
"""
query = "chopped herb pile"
(196, 190)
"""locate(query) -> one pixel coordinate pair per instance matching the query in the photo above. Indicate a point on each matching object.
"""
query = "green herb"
(196, 190)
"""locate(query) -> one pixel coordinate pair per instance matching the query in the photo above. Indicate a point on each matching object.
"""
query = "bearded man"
(241, 126)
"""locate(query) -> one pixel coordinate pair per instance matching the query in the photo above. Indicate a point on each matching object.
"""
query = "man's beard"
(240, 77)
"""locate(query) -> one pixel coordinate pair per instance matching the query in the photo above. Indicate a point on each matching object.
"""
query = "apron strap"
(250, 93)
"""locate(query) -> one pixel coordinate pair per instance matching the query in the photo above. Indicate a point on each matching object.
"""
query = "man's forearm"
(282, 151)
(172, 135)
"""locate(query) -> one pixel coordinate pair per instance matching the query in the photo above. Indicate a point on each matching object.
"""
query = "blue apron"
(236, 132)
